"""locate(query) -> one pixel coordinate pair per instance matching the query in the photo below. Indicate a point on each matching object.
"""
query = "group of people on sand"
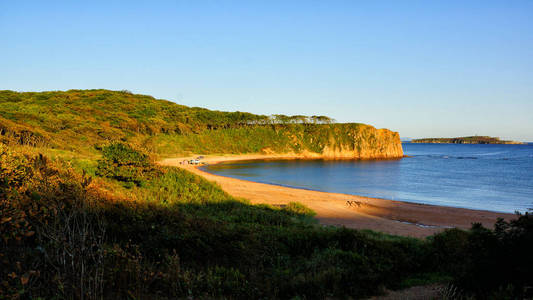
(194, 161)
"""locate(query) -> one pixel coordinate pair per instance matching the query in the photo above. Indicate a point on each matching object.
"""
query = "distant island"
(466, 140)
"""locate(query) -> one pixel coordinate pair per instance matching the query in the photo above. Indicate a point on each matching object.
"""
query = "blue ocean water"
(487, 177)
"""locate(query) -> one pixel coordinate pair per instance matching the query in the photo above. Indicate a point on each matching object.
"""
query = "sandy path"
(394, 217)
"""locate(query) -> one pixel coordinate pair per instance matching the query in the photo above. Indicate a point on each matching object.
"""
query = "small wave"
(516, 157)
(491, 153)
(452, 157)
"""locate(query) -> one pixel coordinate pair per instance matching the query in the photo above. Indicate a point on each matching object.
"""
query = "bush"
(485, 263)
(52, 235)
(123, 163)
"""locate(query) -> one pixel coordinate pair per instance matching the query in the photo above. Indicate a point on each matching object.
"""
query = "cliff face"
(328, 141)
(369, 143)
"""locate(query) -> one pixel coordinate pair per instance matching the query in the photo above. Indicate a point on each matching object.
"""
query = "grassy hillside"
(105, 221)
(77, 120)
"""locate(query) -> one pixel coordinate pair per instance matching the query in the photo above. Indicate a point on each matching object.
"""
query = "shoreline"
(358, 212)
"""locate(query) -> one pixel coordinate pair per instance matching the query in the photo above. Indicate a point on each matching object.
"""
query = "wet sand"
(393, 217)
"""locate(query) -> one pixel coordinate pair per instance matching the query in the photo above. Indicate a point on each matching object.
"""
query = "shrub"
(123, 163)
(485, 263)
(51, 233)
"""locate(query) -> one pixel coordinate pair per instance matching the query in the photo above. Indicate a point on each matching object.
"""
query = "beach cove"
(351, 211)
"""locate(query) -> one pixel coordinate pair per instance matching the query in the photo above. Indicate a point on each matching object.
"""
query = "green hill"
(77, 120)
(59, 119)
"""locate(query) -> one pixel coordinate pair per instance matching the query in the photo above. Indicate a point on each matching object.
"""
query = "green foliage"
(50, 245)
(289, 138)
(122, 154)
(13, 170)
(177, 186)
(76, 120)
(181, 236)
(121, 162)
(299, 209)
(485, 263)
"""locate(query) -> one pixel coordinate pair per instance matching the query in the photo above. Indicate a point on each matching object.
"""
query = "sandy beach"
(393, 217)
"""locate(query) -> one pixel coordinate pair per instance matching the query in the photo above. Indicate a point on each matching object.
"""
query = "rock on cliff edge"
(338, 141)
(369, 144)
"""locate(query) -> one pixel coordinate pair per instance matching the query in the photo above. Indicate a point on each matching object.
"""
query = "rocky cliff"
(364, 142)
(328, 141)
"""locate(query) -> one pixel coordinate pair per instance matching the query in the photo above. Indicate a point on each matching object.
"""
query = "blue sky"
(423, 68)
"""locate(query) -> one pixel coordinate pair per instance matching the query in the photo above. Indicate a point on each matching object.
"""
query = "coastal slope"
(77, 120)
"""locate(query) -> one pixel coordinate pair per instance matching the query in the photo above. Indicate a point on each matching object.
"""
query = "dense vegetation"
(104, 221)
(465, 140)
(77, 120)
(293, 138)
(179, 235)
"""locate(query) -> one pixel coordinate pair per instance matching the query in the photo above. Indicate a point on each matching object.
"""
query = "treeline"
(298, 119)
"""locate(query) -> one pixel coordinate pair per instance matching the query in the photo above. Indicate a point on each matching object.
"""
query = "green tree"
(123, 163)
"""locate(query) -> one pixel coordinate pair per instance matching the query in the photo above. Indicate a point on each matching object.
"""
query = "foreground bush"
(488, 262)
(69, 236)
(52, 235)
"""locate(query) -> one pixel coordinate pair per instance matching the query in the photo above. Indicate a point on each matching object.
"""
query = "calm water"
(490, 177)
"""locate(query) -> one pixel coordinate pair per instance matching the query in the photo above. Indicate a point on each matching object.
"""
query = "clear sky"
(423, 68)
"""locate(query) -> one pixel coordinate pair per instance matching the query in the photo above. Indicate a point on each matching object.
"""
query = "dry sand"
(393, 217)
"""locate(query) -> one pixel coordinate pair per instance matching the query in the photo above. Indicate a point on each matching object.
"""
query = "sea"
(486, 177)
